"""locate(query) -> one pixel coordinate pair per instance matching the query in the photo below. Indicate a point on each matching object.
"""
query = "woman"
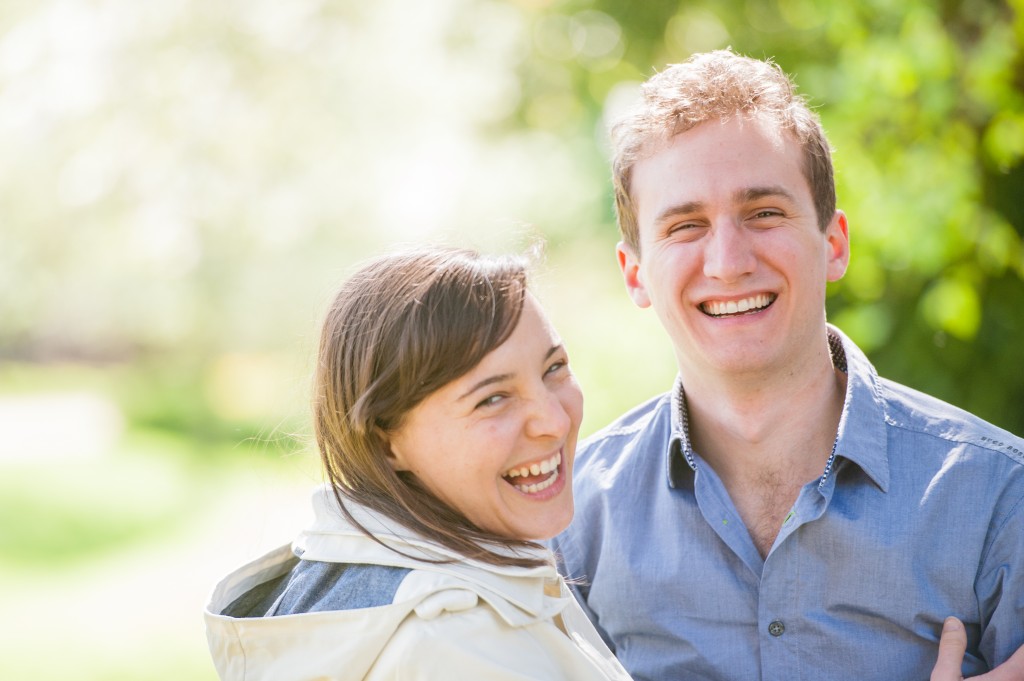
(446, 416)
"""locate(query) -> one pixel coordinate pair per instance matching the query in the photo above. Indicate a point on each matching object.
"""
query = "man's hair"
(716, 86)
(401, 327)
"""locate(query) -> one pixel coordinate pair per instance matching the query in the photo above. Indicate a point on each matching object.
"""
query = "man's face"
(731, 256)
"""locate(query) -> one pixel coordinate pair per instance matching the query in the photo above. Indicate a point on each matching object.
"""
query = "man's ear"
(629, 265)
(837, 234)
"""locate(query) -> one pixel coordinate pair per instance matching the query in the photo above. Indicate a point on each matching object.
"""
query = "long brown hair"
(401, 327)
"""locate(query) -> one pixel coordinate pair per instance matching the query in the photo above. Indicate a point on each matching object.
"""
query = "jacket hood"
(279, 648)
(517, 593)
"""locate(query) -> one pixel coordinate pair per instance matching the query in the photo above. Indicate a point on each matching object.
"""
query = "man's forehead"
(693, 154)
(770, 127)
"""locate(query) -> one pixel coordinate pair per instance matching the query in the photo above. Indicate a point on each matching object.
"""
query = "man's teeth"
(722, 308)
(541, 468)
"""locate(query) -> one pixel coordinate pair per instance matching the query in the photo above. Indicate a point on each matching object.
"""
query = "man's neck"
(767, 436)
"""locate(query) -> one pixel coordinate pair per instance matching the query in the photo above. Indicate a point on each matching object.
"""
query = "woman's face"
(498, 442)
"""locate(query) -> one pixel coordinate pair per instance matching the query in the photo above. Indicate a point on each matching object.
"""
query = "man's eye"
(682, 227)
(685, 230)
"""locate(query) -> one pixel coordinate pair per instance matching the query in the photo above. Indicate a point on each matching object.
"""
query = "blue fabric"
(314, 586)
(919, 515)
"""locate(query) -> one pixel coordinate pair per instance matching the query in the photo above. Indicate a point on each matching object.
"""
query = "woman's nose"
(548, 416)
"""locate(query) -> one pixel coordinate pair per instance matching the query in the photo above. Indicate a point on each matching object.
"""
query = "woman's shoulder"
(471, 640)
(451, 638)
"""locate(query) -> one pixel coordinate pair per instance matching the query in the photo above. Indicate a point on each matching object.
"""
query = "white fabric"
(464, 620)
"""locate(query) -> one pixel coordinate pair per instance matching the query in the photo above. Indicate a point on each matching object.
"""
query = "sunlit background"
(184, 182)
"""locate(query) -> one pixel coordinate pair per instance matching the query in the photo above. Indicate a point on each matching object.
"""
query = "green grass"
(54, 514)
(100, 556)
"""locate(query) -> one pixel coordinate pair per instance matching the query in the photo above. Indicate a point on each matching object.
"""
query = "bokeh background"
(184, 182)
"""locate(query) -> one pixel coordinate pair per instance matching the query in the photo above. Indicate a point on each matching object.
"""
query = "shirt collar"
(862, 436)
(860, 439)
(682, 461)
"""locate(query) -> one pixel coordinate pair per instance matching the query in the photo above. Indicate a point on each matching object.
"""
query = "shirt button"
(777, 628)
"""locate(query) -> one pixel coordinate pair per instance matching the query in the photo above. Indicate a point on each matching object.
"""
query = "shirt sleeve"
(1000, 587)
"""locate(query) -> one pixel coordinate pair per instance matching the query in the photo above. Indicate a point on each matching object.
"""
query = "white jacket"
(462, 620)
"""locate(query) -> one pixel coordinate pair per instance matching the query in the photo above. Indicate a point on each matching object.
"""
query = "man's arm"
(953, 645)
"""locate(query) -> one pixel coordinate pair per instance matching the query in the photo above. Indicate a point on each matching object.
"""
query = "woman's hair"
(401, 327)
(716, 86)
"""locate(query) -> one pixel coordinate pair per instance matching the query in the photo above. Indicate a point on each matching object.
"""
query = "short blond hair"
(716, 86)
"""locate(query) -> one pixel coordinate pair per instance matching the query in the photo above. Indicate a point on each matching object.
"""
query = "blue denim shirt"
(919, 514)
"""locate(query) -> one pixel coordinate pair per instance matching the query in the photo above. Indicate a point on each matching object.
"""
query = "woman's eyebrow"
(498, 378)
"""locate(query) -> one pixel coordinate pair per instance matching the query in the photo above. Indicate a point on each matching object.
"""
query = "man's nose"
(728, 252)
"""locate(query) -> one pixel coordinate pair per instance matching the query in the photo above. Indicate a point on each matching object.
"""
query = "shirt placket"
(781, 625)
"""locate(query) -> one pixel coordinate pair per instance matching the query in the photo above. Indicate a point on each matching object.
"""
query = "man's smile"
(727, 308)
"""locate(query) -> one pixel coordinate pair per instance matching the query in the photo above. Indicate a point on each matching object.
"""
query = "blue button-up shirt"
(919, 514)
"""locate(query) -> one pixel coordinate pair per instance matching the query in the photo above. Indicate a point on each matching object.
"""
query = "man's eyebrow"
(498, 378)
(755, 193)
(679, 209)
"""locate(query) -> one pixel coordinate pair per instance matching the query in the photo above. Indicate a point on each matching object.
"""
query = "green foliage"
(185, 181)
(924, 105)
(215, 172)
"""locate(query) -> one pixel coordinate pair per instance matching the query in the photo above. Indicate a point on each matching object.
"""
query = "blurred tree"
(184, 181)
(924, 104)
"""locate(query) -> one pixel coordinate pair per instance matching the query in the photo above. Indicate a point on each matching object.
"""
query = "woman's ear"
(393, 452)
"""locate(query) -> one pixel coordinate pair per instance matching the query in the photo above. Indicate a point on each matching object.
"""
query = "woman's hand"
(953, 645)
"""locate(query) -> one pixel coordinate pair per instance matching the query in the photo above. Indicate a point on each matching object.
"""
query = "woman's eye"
(556, 366)
(490, 400)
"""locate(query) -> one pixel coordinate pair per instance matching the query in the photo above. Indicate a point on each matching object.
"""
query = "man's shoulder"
(625, 451)
(929, 416)
(653, 415)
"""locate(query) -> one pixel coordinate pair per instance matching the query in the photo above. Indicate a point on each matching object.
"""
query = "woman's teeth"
(545, 466)
(539, 468)
(540, 486)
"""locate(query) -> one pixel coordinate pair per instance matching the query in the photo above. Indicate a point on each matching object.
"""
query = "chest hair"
(764, 504)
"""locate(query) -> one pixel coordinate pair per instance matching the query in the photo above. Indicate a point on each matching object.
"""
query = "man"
(782, 512)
